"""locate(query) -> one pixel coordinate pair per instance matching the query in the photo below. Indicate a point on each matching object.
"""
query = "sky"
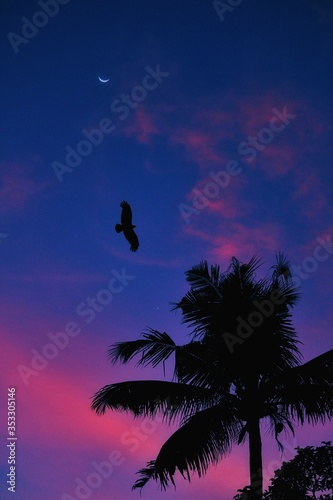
(215, 124)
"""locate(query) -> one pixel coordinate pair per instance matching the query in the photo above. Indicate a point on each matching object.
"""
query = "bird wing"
(126, 214)
(132, 239)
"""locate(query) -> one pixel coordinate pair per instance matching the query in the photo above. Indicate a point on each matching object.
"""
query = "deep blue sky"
(224, 84)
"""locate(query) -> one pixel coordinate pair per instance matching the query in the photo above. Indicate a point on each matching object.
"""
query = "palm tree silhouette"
(242, 367)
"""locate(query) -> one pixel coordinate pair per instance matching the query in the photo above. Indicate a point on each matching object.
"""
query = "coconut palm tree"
(242, 367)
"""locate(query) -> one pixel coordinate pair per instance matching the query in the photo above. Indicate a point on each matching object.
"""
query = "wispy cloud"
(17, 186)
(210, 132)
(239, 240)
(310, 194)
(142, 126)
(278, 159)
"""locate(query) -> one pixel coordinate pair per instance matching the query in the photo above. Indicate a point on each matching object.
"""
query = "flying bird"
(127, 227)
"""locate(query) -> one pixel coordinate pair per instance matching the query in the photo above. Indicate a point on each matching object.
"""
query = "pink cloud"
(66, 402)
(234, 239)
(55, 419)
(206, 130)
(308, 248)
(18, 186)
(257, 110)
(211, 117)
(265, 238)
(311, 128)
(276, 159)
(200, 146)
(310, 194)
(227, 209)
(142, 127)
(226, 200)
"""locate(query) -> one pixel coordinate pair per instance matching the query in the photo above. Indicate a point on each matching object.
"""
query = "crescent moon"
(103, 80)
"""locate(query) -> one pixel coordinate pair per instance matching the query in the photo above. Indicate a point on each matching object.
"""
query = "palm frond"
(217, 390)
(155, 347)
(279, 341)
(202, 441)
(152, 472)
(288, 293)
(200, 303)
(281, 268)
(199, 310)
(146, 398)
(278, 421)
(244, 271)
(206, 364)
(306, 391)
(242, 434)
(193, 365)
(200, 277)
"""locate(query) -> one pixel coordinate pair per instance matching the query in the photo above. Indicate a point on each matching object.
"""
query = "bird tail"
(118, 228)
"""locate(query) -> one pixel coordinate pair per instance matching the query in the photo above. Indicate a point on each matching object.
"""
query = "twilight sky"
(216, 126)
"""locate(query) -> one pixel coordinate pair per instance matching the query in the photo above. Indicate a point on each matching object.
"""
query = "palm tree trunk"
(255, 446)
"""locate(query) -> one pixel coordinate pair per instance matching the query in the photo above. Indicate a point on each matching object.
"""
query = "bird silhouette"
(127, 227)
